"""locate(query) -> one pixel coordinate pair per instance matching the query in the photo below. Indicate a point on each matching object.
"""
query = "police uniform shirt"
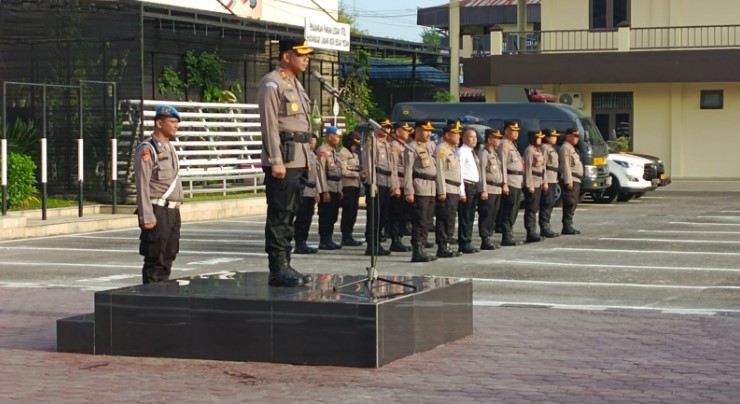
(383, 160)
(330, 176)
(469, 166)
(571, 169)
(155, 167)
(284, 107)
(448, 170)
(551, 162)
(313, 169)
(534, 167)
(349, 168)
(512, 163)
(490, 166)
(419, 159)
(398, 152)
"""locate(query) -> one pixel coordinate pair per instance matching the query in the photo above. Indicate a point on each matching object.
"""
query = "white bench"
(218, 145)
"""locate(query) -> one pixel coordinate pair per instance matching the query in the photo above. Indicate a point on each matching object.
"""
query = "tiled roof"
(488, 3)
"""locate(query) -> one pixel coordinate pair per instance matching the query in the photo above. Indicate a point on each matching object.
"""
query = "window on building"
(608, 14)
(712, 99)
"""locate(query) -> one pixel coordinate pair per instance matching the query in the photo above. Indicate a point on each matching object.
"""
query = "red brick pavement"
(515, 355)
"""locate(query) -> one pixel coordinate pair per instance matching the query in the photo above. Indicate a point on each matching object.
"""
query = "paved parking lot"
(656, 282)
(666, 251)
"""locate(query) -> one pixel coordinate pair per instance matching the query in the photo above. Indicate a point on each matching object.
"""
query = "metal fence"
(718, 36)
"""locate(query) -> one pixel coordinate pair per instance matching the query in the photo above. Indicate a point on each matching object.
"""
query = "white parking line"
(110, 278)
(717, 217)
(67, 264)
(600, 307)
(614, 250)
(665, 240)
(194, 240)
(688, 232)
(705, 224)
(132, 251)
(597, 265)
(606, 284)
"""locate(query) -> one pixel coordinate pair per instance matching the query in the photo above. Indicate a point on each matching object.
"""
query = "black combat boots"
(487, 244)
(302, 248)
(398, 246)
(419, 254)
(444, 251)
(281, 274)
(547, 233)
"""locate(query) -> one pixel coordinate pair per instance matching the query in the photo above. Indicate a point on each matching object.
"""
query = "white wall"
(290, 12)
(668, 122)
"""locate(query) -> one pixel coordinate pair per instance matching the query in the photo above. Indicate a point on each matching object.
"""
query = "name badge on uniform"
(426, 162)
(452, 164)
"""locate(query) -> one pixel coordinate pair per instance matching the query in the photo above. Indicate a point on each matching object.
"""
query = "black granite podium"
(237, 317)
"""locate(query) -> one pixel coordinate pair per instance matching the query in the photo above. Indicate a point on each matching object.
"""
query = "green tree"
(350, 19)
(443, 96)
(431, 37)
(357, 92)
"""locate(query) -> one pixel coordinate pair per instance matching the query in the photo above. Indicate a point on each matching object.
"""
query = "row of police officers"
(408, 176)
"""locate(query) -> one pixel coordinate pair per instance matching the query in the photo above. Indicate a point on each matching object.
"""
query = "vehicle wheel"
(608, 195)
(558, 195)
(639, 195)
(625, 196)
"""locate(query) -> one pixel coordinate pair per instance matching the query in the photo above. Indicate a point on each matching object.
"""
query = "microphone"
(324, 83)
(318, 76)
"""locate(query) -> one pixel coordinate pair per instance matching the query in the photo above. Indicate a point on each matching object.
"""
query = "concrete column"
(455, 48)
(674, 167)
(623, 37)
(467, 46)
(491, 93)
(521, 23)
(497, 40)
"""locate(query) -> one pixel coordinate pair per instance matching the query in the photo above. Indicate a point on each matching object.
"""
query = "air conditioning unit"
(572, 99)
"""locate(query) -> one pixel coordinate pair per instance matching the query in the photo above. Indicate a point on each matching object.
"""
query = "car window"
(591, 132)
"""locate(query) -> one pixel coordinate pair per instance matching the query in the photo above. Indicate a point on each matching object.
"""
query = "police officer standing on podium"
(158, 196)
(571, 173)
(284, 110)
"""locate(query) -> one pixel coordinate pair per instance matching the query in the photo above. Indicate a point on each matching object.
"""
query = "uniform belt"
(470, 182)
(579, 176)
(495, 184)
(538, 174)
(515, 172)
(453, 183)
(333, 178)
(383, 171)
(427, 177)
(299, 137)
(551, 168)
(311, 184)
(166, 204)
(356, 169)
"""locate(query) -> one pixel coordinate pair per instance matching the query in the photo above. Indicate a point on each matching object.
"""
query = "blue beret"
(331, 130)
(167, 111)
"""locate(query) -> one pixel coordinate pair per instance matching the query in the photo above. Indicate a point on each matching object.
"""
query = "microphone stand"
(372, 271)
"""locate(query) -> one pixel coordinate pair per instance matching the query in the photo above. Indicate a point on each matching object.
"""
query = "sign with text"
(327, 34)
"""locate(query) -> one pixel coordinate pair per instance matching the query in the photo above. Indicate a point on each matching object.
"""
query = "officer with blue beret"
(158, 196)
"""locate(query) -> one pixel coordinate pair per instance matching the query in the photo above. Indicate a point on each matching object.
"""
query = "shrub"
(21, 180)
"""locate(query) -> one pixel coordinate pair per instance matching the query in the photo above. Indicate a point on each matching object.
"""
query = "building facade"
(659, 71)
